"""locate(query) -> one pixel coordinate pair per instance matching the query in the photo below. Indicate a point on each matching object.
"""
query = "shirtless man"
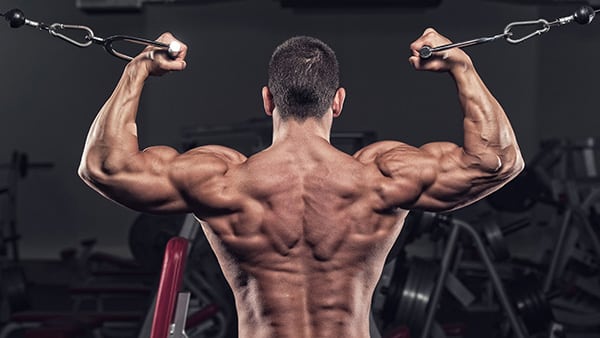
(301, 230)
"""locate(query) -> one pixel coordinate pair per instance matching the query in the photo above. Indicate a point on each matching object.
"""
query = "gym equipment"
(584, 15)
(409, 294)
(21, 164)
(532, 304)
(18, 168)
(64, 325)
(13, 282)
(414, 292)
(207, 318)
(494, 235)
(16, 18)
(576, 210)
(451, 243)
(171, 309)
(416, 224)
(167, 310)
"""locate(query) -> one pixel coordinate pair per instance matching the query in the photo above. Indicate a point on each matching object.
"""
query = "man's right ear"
(268, 101)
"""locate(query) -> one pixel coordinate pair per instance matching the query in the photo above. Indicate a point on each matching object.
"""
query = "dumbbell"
(494, 235)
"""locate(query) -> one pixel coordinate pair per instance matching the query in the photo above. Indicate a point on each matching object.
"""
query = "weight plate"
(495, 239)
(425, 291)
(531, 304)
(394, 291)
(406, 303)
(411, 307)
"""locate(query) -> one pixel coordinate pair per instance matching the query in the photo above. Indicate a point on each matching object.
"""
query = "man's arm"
(444, 176)
(157, 179)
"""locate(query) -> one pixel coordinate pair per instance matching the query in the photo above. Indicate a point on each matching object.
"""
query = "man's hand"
(443, 61)
(155, 61)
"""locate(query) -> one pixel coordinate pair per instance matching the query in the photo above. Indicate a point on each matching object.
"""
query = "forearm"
(112, 138)
(488, 135)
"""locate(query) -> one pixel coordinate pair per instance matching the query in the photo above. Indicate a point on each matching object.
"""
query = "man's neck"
(291, 129)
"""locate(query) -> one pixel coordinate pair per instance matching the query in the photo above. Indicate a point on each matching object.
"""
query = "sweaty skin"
(301, 230)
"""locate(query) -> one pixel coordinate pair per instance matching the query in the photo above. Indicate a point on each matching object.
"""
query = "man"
(301, 230)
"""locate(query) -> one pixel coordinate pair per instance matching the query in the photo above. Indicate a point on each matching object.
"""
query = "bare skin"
(301, 230)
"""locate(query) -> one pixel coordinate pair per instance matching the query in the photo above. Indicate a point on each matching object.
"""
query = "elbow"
(512, 165)
(93, 172)
(504, 165)
(90, 173)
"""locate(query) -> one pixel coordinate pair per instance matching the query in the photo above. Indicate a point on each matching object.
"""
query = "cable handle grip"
(16, 18)
(584, 15)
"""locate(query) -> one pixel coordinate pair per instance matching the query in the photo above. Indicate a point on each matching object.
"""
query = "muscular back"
(301, 229)
(305, 248)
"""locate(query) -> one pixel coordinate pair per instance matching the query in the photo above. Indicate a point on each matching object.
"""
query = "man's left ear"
(338, 101)
(268, 103)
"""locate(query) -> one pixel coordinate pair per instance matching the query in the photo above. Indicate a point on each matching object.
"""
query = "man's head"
(303, 78)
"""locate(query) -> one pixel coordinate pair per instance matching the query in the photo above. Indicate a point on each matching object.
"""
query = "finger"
(180, 48)
(415, 61)
(149, 55)
(164, 62)
(429, 30)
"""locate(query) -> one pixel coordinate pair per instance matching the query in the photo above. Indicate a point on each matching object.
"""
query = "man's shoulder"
(216, 151)
(372, 151)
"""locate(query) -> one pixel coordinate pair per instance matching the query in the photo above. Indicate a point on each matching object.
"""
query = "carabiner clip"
(509, 34)
(53, 30)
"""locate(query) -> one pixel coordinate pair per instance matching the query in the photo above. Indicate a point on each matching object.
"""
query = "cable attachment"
(16, 19)
(56, 27)
(545, 26)
(584, 15)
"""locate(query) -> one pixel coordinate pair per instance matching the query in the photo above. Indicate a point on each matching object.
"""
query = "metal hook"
(507, 30)
(53, 30)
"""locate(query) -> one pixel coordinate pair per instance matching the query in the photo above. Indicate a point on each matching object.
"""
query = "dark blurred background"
(51, 91)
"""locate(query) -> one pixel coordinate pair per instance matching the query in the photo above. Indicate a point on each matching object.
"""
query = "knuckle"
(429, 31)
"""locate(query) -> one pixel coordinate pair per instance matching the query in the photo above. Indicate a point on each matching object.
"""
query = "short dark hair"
(303, 77)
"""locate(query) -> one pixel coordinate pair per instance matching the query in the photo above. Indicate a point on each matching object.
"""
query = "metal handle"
(427, 51)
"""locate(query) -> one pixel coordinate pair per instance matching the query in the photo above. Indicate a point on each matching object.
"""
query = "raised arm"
(444, 176)
(156, 179)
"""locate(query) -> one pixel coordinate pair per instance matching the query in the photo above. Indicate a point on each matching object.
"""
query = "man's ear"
(338, 101)
(268, 101)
